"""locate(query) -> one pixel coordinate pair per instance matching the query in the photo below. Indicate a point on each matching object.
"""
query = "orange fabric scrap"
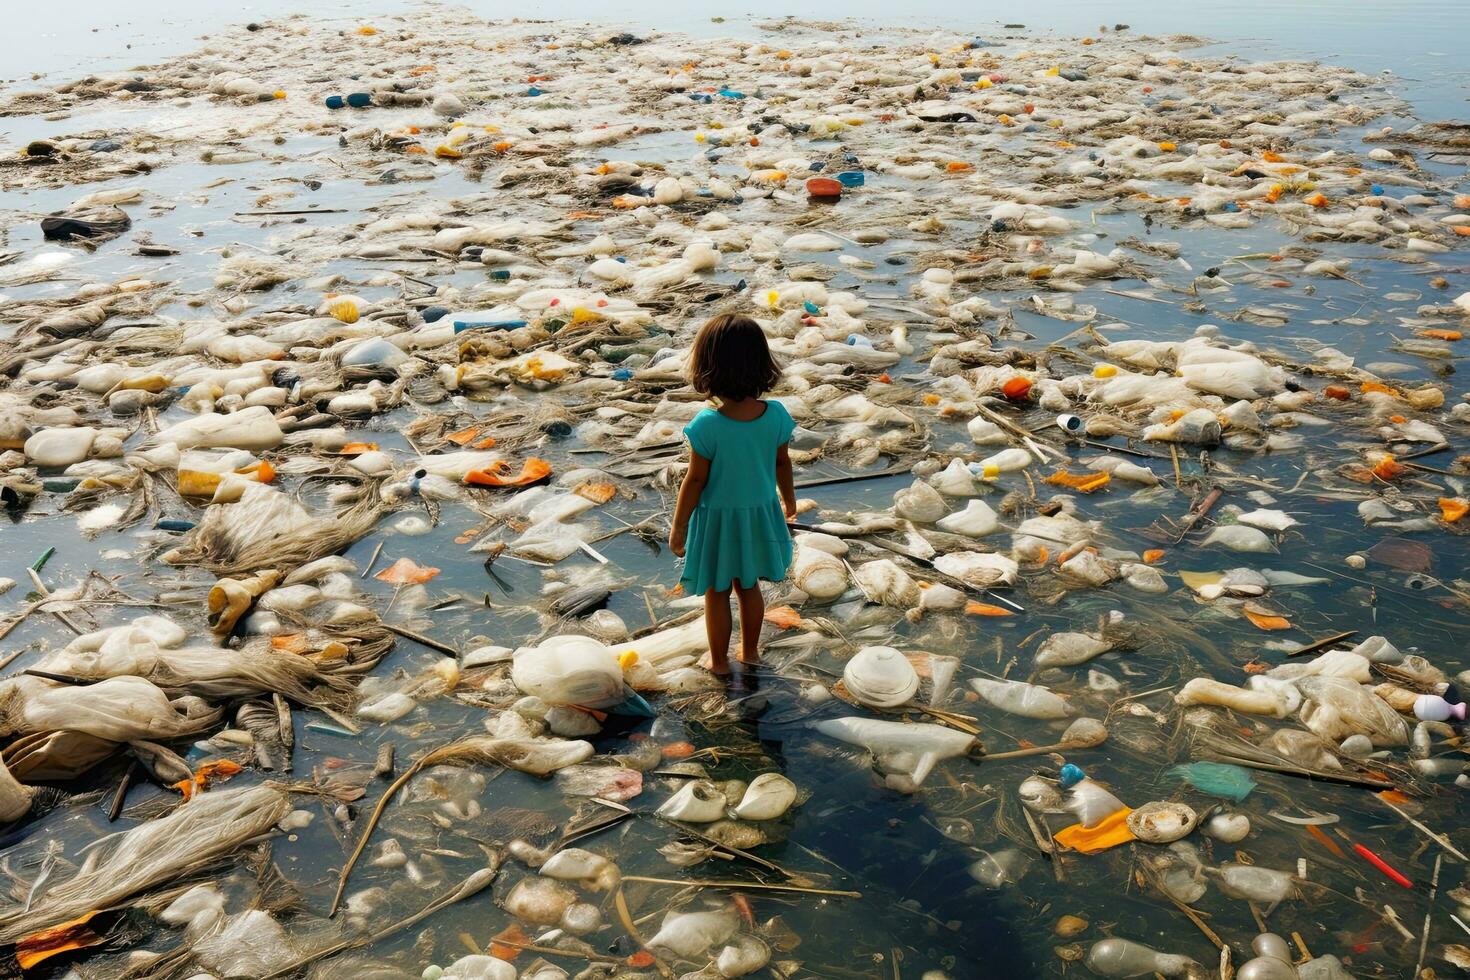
(1451, 509)
(1111, 831)
(1263, 621)
(41, 946)
(973, 608)
(210, 772)
(406, 571)
(783, 616)
(1081, 482)
(499, 474)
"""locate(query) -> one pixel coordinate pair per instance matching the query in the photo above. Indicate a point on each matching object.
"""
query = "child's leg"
(717, 629)
(752, 614)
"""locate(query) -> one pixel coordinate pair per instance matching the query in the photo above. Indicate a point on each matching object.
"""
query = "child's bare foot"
(720, 666)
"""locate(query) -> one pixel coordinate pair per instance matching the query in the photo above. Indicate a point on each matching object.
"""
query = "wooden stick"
(472, 885)
(621, 904)
(372, 561)
(1190, 913)
(1199, 511)
(120, 797)
(1036, 750)
(553, 951)
(1437, 838)
(754, 886)
(1321, 644)
(1424, 933)
(427, 641)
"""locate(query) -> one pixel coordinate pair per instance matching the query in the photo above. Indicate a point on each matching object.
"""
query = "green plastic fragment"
(1217, 779)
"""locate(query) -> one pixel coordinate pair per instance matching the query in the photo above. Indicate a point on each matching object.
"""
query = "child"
(738, 494)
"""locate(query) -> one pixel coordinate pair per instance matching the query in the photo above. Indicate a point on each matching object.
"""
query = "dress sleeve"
(785, 424)
(699, 436)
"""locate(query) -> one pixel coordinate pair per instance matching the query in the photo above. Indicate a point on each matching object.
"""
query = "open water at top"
(908, 855)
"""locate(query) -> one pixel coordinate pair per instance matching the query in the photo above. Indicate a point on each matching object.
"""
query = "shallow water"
(920, 909)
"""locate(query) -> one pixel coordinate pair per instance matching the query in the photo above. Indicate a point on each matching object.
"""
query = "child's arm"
(785, 482)
(689, 493)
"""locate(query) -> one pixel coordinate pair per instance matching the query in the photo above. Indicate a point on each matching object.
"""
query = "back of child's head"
(731, 359)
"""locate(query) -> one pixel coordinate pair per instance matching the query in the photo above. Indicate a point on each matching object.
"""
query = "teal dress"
(737, 534)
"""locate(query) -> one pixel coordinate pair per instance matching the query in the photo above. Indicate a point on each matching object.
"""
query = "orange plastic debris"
(498, 475)
(406, 571)
(1381, 388)
(641, 959)
(357, 448)
(1338, 392)
(784, 617)
(1436, 334)
(1274, 194)
(677, 750)
(1317, 200)
(957, 166)
(973, 608)
(1453, 508)
(598, 493)
(1325, 841)
(1042, 555)
(1111, 831)
(1395, 796)
(1016, 388)
(462, 436)
(1081, 482)
(1270, 156)
(511, 933)
(41, 946)
(210, 772)
(742, 905)
(1153, 555)
(1263, 621)
(1389, 468)
(1168, 147)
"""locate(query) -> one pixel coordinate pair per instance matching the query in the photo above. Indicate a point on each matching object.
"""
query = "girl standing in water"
(730, 521)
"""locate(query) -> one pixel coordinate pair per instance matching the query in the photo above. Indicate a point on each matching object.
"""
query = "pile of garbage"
(343, 413)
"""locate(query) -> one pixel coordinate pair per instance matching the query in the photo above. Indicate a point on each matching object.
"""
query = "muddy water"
(921, 908)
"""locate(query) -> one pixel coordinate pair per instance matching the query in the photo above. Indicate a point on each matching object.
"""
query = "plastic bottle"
(1089, 801)
(1432, 707)
(1005, 461)
(1124, 958)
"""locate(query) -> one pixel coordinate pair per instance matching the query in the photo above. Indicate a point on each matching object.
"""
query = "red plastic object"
(824, 187)
(1383, 866)
(1016, 389)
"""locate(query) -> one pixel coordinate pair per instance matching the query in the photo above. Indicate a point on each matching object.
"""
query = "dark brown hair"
(731, 359)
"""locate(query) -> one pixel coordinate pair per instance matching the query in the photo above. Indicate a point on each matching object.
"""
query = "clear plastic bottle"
(1124, 958)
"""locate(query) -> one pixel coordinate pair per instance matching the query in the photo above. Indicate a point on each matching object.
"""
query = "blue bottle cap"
(1376, 188)
(1071, 776)
(811, 307)
(533, 90)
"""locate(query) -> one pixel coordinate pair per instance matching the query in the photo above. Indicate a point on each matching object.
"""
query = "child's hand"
(676, 541)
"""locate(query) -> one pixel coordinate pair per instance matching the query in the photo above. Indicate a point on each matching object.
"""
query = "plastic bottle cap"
(990, 472)
(1104, 371)
(1071, 776)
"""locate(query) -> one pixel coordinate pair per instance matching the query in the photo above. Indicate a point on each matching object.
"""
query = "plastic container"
(824, 188)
